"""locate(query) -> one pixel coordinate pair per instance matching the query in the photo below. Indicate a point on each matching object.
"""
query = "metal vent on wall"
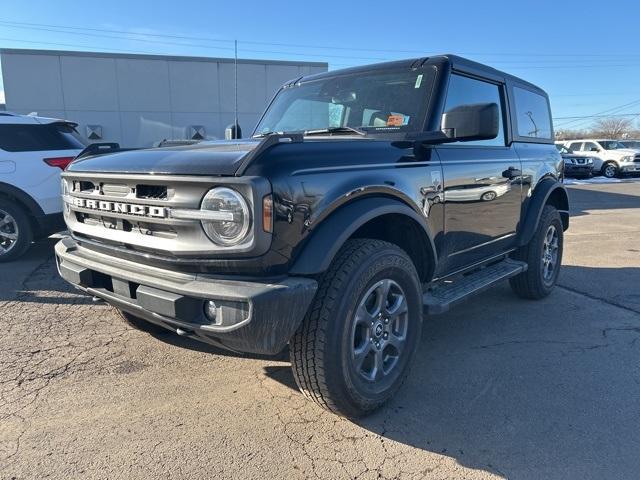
(94, 132)
(197, 132)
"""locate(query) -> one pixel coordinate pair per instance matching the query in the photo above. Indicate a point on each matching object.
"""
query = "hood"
(205, 158)
(623, 152)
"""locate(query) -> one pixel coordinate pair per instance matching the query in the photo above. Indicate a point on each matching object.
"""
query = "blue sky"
(587, 59)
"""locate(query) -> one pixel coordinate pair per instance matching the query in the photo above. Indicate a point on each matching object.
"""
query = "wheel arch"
(548, 192)
(26, 201)
(380, 218)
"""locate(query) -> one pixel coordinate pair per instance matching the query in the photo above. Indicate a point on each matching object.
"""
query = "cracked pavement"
(502, 388)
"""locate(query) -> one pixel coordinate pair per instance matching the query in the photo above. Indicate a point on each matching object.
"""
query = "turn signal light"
(61, 162)
(267, 213)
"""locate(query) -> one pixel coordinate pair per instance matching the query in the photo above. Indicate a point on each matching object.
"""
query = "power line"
(601, 116)
(293, 45)
(607, 112)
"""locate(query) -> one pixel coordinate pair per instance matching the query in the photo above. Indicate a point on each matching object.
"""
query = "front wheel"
(543, 255)
(610, 170)
(354, 347)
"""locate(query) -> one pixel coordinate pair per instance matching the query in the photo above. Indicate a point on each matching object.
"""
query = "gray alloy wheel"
(488, 196)
(9, 233)
(379, 331)
(610, 170)
(550, 254)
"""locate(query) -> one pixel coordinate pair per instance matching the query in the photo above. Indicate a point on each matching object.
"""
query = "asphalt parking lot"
(502, 388)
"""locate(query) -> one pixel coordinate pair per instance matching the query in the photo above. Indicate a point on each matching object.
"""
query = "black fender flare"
(542, 193)
(24, 198)
(327, 238)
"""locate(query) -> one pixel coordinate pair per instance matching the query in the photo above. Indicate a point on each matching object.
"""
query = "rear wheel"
(353, 349)
(543, 255)
(16, 231)
(610, 170)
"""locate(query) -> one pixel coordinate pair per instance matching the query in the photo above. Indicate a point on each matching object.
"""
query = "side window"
(590, 147)
(575, 146)
(533, 117)
(465, 91)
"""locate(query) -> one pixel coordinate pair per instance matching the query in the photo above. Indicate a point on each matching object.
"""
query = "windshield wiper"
(266, 134)
(336, 130)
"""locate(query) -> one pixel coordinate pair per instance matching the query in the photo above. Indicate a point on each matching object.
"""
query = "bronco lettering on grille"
(118, 207)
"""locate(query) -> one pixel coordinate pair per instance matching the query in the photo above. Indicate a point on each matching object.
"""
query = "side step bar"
(440, 298)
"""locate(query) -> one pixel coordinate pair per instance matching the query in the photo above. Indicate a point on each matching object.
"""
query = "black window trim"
(504, 110)
(512, 106)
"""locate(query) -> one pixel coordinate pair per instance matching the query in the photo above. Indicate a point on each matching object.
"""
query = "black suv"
(365, 198)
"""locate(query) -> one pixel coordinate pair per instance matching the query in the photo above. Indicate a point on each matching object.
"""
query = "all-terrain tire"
(321, 349)
(14, 222)
(532, 284)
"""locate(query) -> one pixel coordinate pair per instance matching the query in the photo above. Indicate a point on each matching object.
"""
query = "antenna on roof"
(233, 131)
(235, 88)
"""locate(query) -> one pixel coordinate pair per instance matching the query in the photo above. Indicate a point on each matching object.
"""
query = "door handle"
(512, 172)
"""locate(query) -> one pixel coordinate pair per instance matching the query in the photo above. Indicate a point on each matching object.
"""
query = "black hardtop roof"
(457, 63)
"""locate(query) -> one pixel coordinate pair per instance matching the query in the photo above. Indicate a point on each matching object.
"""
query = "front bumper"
(630, 167)
(251, 316)
(576, 170)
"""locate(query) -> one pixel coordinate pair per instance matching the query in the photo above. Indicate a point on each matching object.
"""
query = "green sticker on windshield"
(418, 81)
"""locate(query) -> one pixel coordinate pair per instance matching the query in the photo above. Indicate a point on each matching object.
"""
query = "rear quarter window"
(533, 117)
(33, 138)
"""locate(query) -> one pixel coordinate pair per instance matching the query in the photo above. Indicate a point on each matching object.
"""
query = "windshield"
(632, 143)
(612, 145)
(386, 101)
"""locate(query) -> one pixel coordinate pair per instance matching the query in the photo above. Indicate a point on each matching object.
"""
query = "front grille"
(156, 192)
(134, 211)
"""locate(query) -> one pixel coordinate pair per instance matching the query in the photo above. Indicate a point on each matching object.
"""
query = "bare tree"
(571, 134)
(612, 127)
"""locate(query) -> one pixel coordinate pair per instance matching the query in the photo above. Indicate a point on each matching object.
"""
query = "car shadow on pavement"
(176, 340)
(582, 200)
(521, 389)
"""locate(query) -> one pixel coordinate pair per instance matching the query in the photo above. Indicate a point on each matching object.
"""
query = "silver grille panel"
(108, 207)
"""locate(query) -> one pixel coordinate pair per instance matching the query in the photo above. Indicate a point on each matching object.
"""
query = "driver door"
(482, 187)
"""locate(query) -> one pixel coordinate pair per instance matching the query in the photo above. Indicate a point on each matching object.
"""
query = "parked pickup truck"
(337, 228)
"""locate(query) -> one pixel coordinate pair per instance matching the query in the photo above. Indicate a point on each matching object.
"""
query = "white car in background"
(33, 152)
(611, 158)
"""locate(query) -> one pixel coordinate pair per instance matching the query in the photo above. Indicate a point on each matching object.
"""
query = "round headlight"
(228, 219)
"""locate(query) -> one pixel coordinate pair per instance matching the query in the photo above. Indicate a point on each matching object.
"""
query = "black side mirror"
(480, 121)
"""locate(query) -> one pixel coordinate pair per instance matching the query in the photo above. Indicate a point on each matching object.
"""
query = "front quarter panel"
(312, 180)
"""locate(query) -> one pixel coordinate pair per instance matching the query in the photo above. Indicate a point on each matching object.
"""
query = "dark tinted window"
(465, 91)
(589, 147)
(28, 138)
(575, 146)
(532, 114)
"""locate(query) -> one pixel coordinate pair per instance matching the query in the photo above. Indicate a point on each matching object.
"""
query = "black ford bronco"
(366, 198)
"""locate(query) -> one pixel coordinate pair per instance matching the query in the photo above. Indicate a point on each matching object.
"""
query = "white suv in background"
(610, 157)
(33, 153)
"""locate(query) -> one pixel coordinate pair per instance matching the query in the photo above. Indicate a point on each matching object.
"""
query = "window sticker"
(395, 120)
(418, 81)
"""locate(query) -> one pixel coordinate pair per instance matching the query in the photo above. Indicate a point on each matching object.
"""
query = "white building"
(137, 100)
